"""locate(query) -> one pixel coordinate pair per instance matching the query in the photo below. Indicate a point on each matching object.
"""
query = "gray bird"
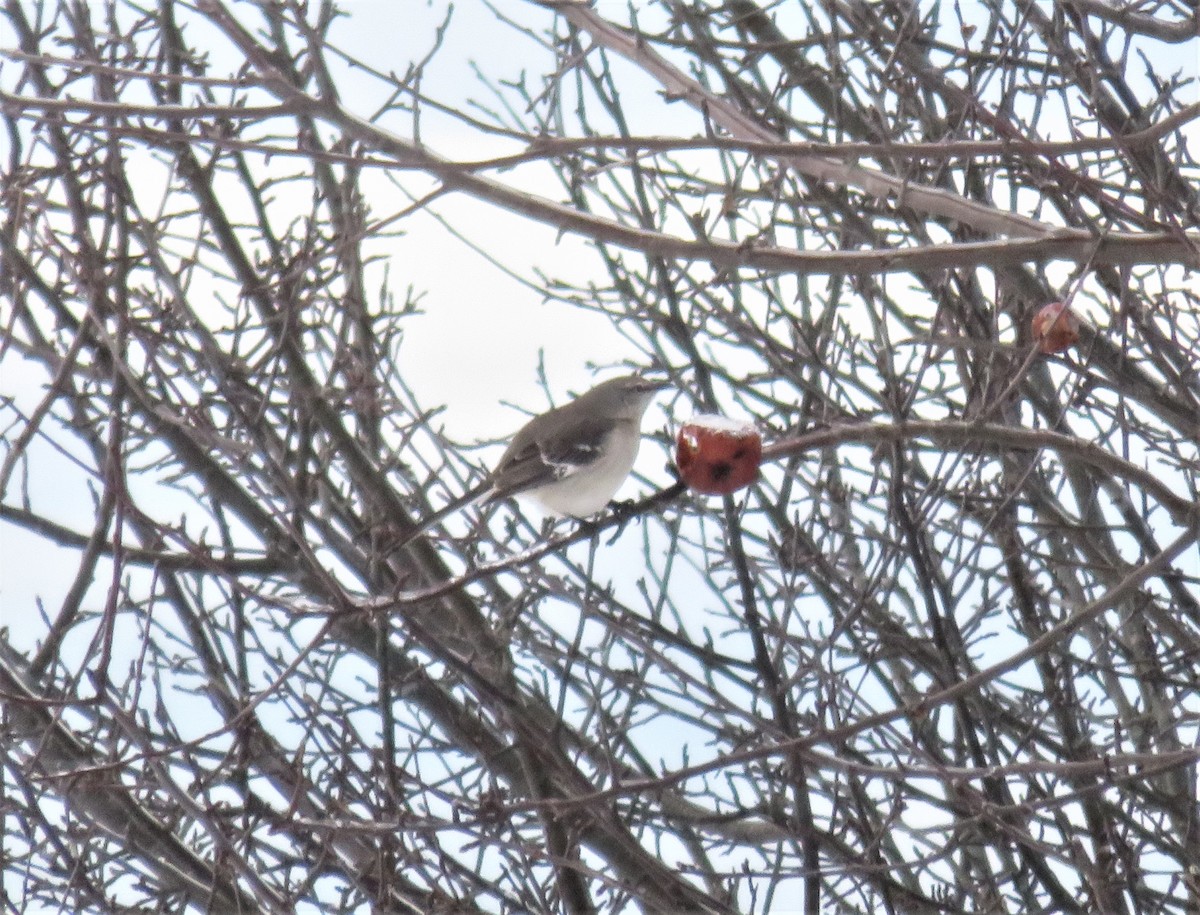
(570, 460)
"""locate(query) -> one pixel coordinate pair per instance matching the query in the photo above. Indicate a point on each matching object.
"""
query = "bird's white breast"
(586, 490)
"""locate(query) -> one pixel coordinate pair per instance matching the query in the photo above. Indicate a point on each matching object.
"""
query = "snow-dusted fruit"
(717, 455)
(1055, 327)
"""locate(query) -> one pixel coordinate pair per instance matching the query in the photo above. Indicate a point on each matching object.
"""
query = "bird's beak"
(655, 381)
(654, 385)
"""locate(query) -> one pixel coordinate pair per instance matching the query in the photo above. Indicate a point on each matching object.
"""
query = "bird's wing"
(532, 461)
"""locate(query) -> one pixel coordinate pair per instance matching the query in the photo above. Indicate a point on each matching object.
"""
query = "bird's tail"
(422, 525)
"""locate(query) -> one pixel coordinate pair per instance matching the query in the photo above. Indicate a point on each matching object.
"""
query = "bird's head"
(630, 394)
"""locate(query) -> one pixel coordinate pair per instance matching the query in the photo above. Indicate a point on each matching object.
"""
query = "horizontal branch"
(941, 151)
(13, 104)
(92, 66)
(1142, 23)
(1111, 764)
(543, 147)
(996, 436)
(200, 560)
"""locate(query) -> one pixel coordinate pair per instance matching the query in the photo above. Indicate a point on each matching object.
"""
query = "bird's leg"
(623, 510)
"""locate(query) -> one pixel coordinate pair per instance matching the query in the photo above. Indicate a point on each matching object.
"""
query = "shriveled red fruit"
(717, 455)
(1055, 327)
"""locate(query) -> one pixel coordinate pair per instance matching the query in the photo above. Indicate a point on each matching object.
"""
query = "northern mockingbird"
(571, 460)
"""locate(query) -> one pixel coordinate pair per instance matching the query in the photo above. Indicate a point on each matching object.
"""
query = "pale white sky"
(483, 333)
